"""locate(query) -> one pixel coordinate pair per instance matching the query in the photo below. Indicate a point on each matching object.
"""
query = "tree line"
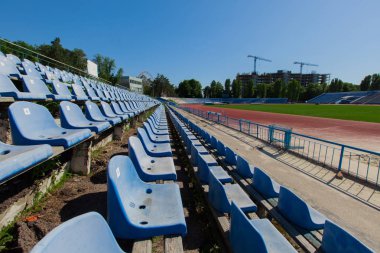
(76, 58)
(278, 89)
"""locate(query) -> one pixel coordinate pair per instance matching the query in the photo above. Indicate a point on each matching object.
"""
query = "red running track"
(355, 133)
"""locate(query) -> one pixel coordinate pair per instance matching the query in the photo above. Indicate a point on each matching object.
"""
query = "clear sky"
(207, 39)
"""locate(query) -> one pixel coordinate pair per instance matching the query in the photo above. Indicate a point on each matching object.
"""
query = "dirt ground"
(82, 194)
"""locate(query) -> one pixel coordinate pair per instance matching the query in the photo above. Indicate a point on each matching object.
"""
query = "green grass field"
(347, 112)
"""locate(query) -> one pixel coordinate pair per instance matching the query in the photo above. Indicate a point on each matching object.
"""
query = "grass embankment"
(346, 112)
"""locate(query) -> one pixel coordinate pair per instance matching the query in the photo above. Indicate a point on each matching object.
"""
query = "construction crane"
(304, 64)
(255, 58)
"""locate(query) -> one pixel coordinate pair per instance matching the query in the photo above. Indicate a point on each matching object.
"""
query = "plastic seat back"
(6, 85)
(31, 70)
(79, 92)
(243, 236)
(243, 168)
(298, 211)
(95, 237)
(7, 67)
(265, 185)
(220, 148)
(230, 156)
(29, 119)
(14, 59)
(35, 85)
(217, 195)
(61, 89)
(336, 239)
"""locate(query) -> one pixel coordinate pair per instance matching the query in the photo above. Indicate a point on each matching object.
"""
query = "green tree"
(336, 85)
(248, 89)
(236, 88)
(261, 90)
(161, 87)
(207, 92)
(375, 82)
(227, 88)
(294, 90)
(277, 86)
(365, 83)
(106, 69)
(312, 90)
(190, 89)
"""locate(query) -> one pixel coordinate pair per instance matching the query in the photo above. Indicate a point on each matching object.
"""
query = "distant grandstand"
(358, 97)
(229, 100)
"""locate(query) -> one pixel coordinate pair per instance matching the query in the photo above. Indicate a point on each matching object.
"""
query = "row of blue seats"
(37, 89)
(42, 82)
(136, 208)
(292, 207)
(34, 130)
(227, 197)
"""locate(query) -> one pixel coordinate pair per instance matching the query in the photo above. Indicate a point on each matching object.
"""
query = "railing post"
(339, 174)
(257, 131)
(240, 124)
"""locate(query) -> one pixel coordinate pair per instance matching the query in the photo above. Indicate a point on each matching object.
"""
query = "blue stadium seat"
(16, 159)
(220, 196)
(79, 93)
(14, 59)
(33, 124)
(108, 112)
(91, 93)
(150, 168)
(94, 232)
(230, 156)
(93, 113)
(204, 169)
(62, 90)
(154, 149)
(37, 86)
(197, 147)
(131, 108)
(298, 211)
(214, 142)
(244, 169)
(124, 108)
(265, 185)
(155, 130)
(258, 235)
(220, 149)
(8, 68)
(117, 110)
(141, 210)
(72, 117)
(336, 240)
(161, 127)
(155, 137)
(8, 89)
(30, 70)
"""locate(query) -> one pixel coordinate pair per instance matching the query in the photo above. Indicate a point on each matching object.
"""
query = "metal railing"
(356, 162)
(26, 53)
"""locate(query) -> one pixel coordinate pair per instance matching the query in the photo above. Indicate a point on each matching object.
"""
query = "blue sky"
(208, 39)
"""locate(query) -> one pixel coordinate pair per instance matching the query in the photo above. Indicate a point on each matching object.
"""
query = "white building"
(134, 84)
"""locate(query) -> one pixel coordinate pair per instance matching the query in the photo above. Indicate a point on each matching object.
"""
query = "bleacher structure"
(352, 97)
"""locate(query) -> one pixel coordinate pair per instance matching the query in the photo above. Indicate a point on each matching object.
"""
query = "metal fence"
(356, 162)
